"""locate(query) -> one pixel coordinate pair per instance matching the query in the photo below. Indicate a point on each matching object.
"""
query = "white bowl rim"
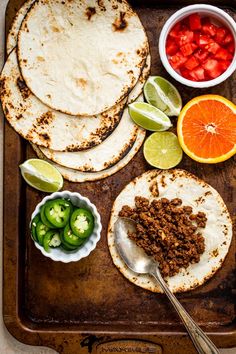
(82, 252)
(185, 11)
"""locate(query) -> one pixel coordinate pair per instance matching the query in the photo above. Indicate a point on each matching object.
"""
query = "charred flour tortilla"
(201, 197)
(102, 156)
(79, 177)
(138, 88)
(14, 29)
(41, 125)
(86, 57)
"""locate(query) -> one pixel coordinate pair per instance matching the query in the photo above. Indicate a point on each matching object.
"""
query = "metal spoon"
(137, 260)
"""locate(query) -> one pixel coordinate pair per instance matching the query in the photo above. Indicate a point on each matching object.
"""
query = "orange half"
(207, 129)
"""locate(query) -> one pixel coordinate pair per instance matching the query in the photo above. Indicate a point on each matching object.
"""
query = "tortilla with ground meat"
(201, 197)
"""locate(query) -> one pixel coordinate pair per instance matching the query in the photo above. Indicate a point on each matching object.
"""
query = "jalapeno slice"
(41, 231)
(65, 245)
(58, 212)
(82, 223)
(51, 239)
(71, 238)
(45, 221)
(34, 222)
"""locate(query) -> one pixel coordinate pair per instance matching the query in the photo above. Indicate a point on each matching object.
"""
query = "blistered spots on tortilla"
(208, 193)
(19, 116)
(44, 136)
(200, 200)
(55, 29)
(24, 90)
(163, 183)
(81, 82)
(120, 23)
(3, 90)
(39, 58)
(154, 189)
(101, 5)
(45, 119)
(90, 11)
(215, 253)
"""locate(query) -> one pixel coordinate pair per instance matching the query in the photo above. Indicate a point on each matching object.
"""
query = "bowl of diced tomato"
(197, 45)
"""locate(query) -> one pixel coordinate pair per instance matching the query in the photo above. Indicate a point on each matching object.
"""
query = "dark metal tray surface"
(88, 306)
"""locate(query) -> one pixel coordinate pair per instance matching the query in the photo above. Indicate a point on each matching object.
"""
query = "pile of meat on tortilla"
(167, 231)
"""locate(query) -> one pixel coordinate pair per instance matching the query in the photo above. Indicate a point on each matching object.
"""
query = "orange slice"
(207, 129)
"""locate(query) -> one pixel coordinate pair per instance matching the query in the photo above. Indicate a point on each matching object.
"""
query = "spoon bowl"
(134, 256)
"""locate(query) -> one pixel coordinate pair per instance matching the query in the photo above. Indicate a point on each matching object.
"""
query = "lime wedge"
(149, 117)
(160, 93)
(41, 175)
(162, 150)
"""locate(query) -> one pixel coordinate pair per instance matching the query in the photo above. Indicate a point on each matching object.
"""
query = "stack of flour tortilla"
(72, 69)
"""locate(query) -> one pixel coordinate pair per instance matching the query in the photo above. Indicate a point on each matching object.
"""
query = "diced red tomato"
(209, 28)
(201, 55)
(231, 48)
(196, 37)
(185, 37)
(228, 39)
(197, 73)
(198, 49)
(177, 60)
(223, 54)
(195, 22)
(187, 49)
(186, 74)
(204, 39)
(212, 47)
(191, 63)
(213, 68)
(174, 33)
(171, 47)
(224, 64)
(220, 34)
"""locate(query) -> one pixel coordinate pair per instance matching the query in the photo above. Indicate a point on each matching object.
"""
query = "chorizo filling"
(167, 231)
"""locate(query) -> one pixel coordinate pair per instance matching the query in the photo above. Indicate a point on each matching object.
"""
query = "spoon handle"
(201, 341)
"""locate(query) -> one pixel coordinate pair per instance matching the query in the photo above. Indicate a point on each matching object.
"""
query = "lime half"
(41, 175)
(149, 117)
(160, 93)
(162, 150)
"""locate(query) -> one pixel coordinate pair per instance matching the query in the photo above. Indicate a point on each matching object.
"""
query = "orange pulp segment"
(207, 129)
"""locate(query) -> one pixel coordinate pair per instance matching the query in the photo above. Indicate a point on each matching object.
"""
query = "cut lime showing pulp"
(162, 150)
(149, 117)
(41, 175)
(160, 93)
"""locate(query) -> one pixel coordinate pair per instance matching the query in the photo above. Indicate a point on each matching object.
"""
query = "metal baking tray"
(88, 306)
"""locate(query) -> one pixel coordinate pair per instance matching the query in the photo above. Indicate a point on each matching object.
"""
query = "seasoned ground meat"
(167, 231)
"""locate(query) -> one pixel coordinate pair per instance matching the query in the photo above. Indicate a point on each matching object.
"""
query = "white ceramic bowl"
(58, 254)
(203, 10)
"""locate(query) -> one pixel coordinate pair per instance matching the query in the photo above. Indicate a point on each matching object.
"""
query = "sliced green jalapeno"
(65, 245)
(71, 238)
(82, 223)
(58, 212)
(34, 222)
(45, 221)
(41, 231)
(51, 239)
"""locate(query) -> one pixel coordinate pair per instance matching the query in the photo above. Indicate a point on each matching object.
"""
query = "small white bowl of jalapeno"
(65, 226)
